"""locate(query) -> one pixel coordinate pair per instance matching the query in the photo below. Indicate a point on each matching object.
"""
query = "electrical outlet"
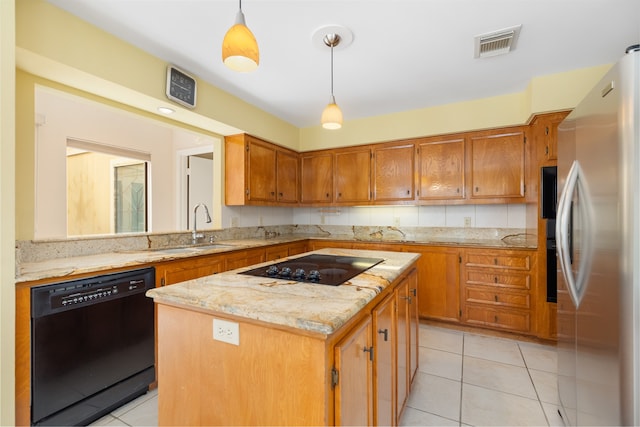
(226, 331)
(467, 221)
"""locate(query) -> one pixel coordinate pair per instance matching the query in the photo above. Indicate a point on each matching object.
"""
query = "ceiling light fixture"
(332, 115)
(239, 47)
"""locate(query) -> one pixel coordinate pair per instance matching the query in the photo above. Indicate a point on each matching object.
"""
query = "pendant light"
(239, 47)
(332, 115)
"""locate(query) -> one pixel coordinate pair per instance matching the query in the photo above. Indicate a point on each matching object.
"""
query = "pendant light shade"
(332, 115)
(239, 47)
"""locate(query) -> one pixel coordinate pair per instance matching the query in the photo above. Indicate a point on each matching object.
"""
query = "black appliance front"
(548, 191)
(92, 346)
(322, 269)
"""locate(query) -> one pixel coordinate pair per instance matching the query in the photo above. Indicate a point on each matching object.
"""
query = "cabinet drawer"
(507, 261)
(494, 296)
(499, 279)
(509, 320)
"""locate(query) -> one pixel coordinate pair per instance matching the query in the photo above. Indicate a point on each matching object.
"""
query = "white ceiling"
(405, 54)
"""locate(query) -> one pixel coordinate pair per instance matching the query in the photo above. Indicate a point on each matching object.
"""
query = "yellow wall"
(7, 212)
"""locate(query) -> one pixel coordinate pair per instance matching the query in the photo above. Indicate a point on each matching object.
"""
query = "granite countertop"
(61, 267)
(315, 308)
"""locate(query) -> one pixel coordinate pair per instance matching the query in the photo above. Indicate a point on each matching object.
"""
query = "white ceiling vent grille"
(496, 42)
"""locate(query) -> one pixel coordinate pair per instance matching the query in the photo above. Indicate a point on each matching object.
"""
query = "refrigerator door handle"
(575, 185)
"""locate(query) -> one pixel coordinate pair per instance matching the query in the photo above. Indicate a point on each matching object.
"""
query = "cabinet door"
(402, 333)
(317, 178)
(273, 253)
(414, 324)
(354, 390)
(497, 165)
(261, 171)
(244, 258)
(384, 363)
(353, 176)
(393, 178)
(179, 271)
(287, 176)
(441, 164)
(438, 283)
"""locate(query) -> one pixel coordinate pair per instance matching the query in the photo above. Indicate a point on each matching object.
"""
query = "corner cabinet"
(260, 173)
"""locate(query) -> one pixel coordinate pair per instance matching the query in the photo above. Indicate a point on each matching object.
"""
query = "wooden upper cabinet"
(497, 164)
(545, 133)
(287, 177)
(261, 167)
(352, 176)
(316, 178)
(441, 168)
(393, 173)
(259, 173)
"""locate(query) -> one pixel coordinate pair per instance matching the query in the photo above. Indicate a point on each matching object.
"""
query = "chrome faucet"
(195, 235)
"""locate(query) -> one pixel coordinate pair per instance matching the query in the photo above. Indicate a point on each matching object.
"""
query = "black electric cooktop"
(322, 269)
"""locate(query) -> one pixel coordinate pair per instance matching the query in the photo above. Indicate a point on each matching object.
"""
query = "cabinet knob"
(414, 291)
(408, 192)
(495, 279)
(385, 332)
(495, 297)
(458, 190)
(477, 189)
(327, 195)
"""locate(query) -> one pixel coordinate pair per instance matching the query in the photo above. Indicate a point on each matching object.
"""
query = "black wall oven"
(92, 346)
(548, 205)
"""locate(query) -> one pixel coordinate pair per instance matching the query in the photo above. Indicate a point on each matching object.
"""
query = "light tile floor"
(464, 378)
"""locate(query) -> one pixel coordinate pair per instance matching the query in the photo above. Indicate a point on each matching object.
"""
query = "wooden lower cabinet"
(498, 289)
(244, 258)
(438, 282)
(354, 389)
(282, 376)
(384, 335)
(190, 268)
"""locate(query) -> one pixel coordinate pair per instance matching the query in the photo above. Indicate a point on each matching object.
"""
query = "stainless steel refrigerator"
(598, 247)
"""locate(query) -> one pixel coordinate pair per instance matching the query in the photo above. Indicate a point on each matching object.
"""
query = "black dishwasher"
(92, 346)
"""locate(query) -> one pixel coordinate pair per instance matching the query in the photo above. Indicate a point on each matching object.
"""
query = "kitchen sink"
(212, 246)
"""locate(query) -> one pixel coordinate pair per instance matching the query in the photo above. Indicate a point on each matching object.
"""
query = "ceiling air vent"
(496, 42)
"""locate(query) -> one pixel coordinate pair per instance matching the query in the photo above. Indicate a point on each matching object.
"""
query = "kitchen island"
(243, 350)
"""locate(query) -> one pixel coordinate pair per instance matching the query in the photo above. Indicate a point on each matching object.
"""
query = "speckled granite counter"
(311, 307)
(37, 260)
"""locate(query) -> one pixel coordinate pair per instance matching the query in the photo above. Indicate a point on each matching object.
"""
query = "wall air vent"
(496, 42)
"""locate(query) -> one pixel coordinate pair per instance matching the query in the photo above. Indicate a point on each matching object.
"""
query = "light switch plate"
(226, 331)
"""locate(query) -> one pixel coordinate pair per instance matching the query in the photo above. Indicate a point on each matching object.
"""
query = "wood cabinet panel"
(438, 282)
(316, 178)
(244, 258)
(495, 297)
(499, 279)
(191, 268)
(441, 168)
(393, 173)
(498, 289)
(354, 391)
(403, 344)
(259, 173)
(352, 176)
(517, 321)
(384, 339)
(287, 177)
(273, 253)
(497, 164)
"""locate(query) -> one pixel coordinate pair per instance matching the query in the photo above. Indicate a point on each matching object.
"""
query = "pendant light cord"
(333, 98)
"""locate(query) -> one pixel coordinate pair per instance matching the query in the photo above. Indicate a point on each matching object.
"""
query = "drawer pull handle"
(495, 318)
(495, 279)
(495, 297)
(384, 332)
(495, 261)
